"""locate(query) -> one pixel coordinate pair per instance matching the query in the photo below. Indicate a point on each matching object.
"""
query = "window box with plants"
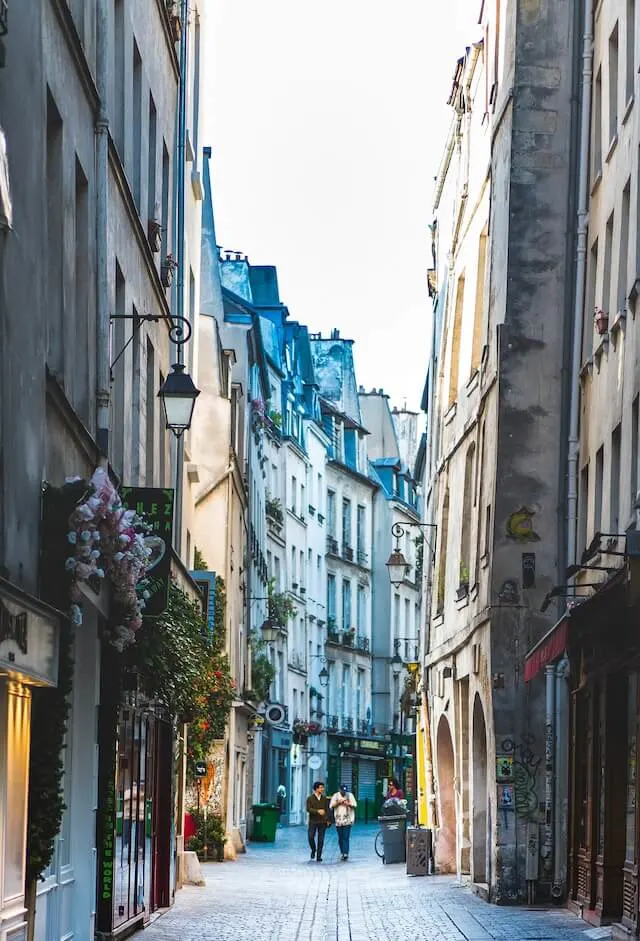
(463, 588)
(280, 607)
(273, 509)
(349, 636)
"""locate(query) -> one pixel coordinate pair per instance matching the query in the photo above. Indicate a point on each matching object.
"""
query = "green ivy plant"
(262, 670)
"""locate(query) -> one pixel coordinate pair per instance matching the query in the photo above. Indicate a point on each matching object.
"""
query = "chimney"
(335, 334)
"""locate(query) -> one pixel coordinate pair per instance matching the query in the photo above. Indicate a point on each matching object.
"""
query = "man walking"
(343, 804)
(318, 810)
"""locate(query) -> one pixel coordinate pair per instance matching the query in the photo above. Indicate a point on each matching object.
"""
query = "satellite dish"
(315, 762)
(275, 714)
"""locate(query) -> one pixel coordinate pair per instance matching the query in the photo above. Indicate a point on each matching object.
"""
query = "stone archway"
(480, 797)
(446, 843)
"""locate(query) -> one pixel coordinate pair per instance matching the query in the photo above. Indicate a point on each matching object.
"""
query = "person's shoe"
(319, 859)
(346, 857)
(313, 854)
(343, 857)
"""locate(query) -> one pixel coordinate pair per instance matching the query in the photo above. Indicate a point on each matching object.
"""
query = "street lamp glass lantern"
(269, 632)
(324, 677)
(398, 568)
(178, 394)
(397, 665)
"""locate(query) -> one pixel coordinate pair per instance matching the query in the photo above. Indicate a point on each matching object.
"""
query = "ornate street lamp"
(323, 676)
(397, 664)
(269, 632)
(178, 394)
(397, 564)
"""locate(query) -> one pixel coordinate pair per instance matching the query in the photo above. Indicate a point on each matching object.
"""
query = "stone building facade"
(496, 449)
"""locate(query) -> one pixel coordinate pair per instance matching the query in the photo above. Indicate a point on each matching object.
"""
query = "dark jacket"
(314, 805)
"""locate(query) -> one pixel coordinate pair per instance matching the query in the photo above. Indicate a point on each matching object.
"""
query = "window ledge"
(462, 602)
(596, 181)
(612, 147)
(601, 348)
(628, 109)
(587, 368)
(474, 379)
(438, 620)
(450, 414)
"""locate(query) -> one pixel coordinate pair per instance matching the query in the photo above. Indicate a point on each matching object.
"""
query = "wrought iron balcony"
(363, 558)
(332, 545)
(347, 552)
(4, 17)
(362, 643)
(332, 723)
(347, 724)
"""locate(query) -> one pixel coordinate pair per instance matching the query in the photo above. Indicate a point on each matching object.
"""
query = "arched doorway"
(479, 832)
(446, 844)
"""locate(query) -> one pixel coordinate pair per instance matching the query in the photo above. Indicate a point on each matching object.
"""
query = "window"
(476, 350)
(583, 510)
(55, 238)
(346, 604)
(165, 202)
(487, 529)
(303, 507)
(350, 447)
(294, 559)
(331, 513)
(614, 480)
(294, 494)
(195, 119)
(396, 616)
(624, 248)
(359, 691)
(331, 596)
(83, 394)
(320, 494)
(467, 513)
(606, 278)
(117, 342)
(362, 548)
(587, 334)
(442, 568)
(162, 439)
(613, 84)
(597, 510)
(119, 73)
(302, 571)
(276, 572)
(596, 143)
(150, 443)
(361, 613)
(634, 452)
(631, 60)
(153, 208)
(455, 342)
(346, 522)
(137, 127)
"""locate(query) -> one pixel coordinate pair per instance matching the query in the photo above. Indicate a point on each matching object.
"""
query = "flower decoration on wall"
(108, 542)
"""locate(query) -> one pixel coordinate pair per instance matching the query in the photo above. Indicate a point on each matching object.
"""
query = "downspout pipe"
(579, 292)
(549, 761)
(180, 251)
(103, 377)
(561, 808)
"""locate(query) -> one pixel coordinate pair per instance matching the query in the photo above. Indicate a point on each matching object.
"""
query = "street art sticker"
(504, 767)
(506, 797)
(520, 526)
(524, 772)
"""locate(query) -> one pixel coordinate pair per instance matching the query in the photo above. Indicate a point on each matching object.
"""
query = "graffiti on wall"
(520, 526)
(525, 764)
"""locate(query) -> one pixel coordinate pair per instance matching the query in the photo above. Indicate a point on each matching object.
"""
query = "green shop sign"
(155, 505)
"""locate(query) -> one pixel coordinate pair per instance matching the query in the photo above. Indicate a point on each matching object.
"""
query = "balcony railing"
(362, 643)
(333, 636)
(332, 723)
(347, 552)
(363, 558)
(4, 17)
(332, 545)
(347, 724)
(364, 727)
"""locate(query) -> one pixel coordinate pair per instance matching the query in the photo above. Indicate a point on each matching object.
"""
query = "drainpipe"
(561, 780)
(103, 377)
(549, 747)
(580, 269)
(180, 249)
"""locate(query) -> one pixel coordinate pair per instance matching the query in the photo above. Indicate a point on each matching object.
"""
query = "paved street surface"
(276, 893)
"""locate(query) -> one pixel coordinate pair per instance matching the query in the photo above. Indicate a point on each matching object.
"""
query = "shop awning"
(549, 648)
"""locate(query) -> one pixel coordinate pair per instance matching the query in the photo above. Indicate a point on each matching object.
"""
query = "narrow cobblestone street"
(275, 892)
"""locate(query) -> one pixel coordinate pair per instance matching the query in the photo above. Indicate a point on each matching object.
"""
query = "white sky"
(327, 123)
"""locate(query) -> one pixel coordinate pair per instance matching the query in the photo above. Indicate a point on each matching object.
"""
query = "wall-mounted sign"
(155, 504)
(504, 767)
(201, 769)
(28, 637)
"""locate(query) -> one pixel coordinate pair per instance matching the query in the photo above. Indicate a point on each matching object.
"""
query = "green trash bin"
(265, 821)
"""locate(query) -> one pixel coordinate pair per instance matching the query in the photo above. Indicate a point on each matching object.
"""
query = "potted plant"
(601, 320)
(167, 269)
(463, 587)
(349, 636)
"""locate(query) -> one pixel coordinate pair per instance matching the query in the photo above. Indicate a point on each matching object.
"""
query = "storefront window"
(132, 864)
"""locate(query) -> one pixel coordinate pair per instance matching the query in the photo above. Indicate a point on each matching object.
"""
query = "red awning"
(549, 648)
